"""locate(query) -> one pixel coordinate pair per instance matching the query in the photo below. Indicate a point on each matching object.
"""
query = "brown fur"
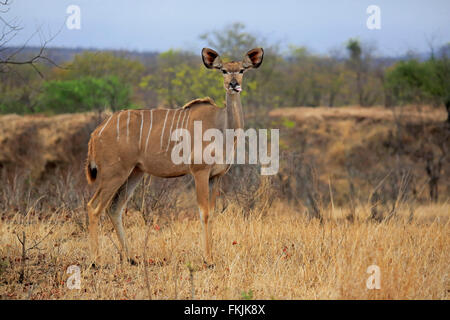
(206, 100)
(133, 142)
(88, 170)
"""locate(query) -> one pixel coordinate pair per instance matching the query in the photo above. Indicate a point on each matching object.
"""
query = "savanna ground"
(356, 192)
(283, 255)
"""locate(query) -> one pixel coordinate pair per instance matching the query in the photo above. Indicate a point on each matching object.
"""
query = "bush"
(84, 94)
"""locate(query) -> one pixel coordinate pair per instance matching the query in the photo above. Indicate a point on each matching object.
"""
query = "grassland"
(310, 233)
(282, 255)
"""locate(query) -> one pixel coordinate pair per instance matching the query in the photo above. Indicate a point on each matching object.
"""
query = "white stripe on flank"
(140, 132)
(178, 121)
(149, 129)
(128, 123)
(100, 133)
(170, 131)
(164, 127)
(187, 120)
(118, 122)
(184, 117)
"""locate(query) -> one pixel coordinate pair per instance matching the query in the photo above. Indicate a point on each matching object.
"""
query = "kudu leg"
(116, 209)
(99, 202)
(95, 207)
(94, 215)
(202, 189)
(214, 184)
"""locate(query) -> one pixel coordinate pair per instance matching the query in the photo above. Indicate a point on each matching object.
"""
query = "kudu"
(133, 142)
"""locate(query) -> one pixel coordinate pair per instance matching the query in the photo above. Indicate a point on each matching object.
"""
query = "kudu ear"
(211, 59)
(253, 58)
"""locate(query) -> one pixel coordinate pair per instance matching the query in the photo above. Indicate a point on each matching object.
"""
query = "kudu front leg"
(95, 207)
(202, 189)
(93, 214)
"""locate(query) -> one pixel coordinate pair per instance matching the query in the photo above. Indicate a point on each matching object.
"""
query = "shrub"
(84, 94)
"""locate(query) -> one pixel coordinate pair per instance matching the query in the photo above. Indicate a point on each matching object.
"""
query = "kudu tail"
(91, 166)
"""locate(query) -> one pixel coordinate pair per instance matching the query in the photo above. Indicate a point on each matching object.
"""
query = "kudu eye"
(224, 71)
(241, 71)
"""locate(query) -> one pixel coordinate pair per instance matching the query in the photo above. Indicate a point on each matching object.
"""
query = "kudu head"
(233, 71)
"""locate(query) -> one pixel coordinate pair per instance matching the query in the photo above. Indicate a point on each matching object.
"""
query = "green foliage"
(289, 124)
(311, 80)
(415, 81)
(354, 48)
(232, 42)
(13, 107)
(262, 87)
(360, 62)
(17, 100)
(96, 80)
(194, 82)
(177, 83)
(407, 80)
(101, 65)
(437, 83)
(247, 295)
(84, 94)
(18, 89)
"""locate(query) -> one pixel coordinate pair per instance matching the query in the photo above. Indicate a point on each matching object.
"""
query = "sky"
(158, 25)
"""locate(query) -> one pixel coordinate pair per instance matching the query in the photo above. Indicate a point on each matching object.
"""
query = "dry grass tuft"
(411, 114)
(281, 255)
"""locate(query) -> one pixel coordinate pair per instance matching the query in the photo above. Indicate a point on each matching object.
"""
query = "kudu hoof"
(207, 265)
(94, 266)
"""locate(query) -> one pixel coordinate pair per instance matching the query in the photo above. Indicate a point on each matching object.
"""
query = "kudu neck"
(235, 116)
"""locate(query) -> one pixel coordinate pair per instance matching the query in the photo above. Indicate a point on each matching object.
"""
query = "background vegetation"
(348, 75)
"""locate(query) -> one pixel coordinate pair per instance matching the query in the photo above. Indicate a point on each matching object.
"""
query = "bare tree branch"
(9, 31)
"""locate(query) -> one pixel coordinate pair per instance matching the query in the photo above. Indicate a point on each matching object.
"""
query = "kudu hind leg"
(116, 209)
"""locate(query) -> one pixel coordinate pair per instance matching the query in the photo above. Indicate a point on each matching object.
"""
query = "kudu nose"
(233, 83)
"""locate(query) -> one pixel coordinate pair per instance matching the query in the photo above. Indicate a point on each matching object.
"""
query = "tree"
(406, 80)
(333, 79)
(437, 82)
(262, 88)
(298, 71)
(177, 82)
(312, 80)
(18, 90)
(355, 64)
(169, 63)
(100, 65)
(232, 41)
(359, 62)
(8, 57)
(422, 82)
(84, 94)
(192, 82)
(414, 81)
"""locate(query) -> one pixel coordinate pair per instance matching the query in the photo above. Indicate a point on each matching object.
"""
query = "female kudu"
(133, 142)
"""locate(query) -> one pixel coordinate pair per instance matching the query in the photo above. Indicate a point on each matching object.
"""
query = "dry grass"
(281, 255)
(37, 141)
(266, 246)
(412, 114)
